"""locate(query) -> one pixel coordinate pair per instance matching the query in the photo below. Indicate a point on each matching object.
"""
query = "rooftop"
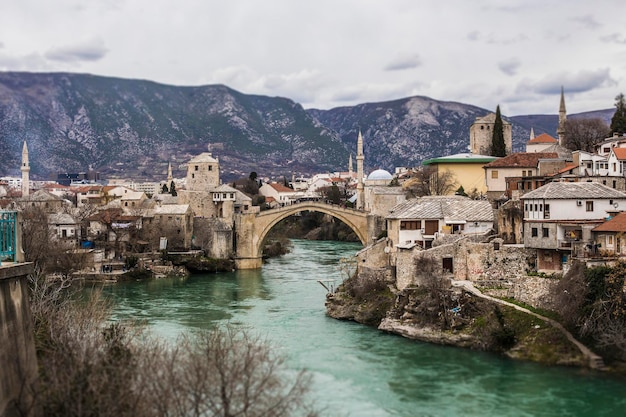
(521, 160)
(464, 158)
(616, 224)
(449, 208)
(574, 191)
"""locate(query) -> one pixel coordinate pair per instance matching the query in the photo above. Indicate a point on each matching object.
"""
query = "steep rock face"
(405, 132)
(133, 127)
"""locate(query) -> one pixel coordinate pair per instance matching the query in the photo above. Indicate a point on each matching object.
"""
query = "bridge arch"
(250, 240)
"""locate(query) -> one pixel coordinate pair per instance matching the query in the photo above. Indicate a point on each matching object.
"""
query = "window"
(210, 167)
(494, 174)
(609, 240)
(614, 184)
(545, 232)
(410, 225)
(523, 173)
(546, 213)
(589, 205)
(195, 168)
(533, 232)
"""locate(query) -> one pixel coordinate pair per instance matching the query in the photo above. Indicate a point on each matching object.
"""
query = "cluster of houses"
(564, 204)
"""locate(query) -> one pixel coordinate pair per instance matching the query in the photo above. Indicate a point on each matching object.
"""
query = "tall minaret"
(350, 169)
(25, 168)
(359, 172)
(562, 118)
(532, 133)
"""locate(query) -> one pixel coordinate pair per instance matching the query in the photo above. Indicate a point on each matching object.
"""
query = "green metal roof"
(462, 158)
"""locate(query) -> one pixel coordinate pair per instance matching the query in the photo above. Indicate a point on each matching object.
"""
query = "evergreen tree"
(173, 189)
(618, 122)
(164, 190)
(498, 147)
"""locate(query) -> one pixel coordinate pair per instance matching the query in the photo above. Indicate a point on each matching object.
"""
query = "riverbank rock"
(452, 316)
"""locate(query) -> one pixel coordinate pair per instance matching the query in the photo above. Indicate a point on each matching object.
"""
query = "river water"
(359, 371)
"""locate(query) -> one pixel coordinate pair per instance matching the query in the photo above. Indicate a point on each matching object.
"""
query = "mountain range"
(133, 128)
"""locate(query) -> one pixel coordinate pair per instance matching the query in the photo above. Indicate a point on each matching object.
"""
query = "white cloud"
(91, 50)
(403, 63)
(328, 53)
(510, 66)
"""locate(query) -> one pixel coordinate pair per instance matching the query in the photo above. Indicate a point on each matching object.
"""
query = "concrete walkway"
(595, 361)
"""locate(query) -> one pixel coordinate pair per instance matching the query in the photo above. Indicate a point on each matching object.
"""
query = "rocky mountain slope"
(133, 128)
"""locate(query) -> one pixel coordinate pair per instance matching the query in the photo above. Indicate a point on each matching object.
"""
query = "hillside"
(133, 128)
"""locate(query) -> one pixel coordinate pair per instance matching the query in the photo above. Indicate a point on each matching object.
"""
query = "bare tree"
(584, 134)
(90, 366)
(228, 373)
(428, 180)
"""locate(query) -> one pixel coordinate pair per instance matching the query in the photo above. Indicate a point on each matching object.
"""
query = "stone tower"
(203, 173)
(560, 131)
(481, 135)
(25, 168)
(360, 203)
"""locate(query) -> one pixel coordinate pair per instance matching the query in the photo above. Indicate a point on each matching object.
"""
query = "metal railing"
(8, 236)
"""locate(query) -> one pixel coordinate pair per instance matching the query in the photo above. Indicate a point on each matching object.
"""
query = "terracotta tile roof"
(564, 169)
(521, 160)
(616, 224)
(55, 186)
(280, 188)
(543, 138)
(620, 153)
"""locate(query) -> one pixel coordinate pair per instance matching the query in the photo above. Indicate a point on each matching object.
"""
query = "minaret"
(532, 133)
(25, 168)
(359, 172)
(350, 169)
(170, 178)
(562, 118)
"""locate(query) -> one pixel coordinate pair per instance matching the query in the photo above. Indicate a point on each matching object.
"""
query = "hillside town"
(563, 205)
(452, 249)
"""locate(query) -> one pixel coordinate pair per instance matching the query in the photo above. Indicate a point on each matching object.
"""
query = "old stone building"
(481, 135)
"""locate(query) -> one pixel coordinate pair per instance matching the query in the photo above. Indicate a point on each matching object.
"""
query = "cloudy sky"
(331, 53)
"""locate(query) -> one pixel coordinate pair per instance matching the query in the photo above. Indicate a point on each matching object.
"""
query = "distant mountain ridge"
(133, 128)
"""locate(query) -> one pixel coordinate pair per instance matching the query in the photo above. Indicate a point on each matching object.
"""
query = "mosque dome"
(380, 174)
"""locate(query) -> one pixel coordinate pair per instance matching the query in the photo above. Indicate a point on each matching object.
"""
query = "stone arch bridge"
(251, 229)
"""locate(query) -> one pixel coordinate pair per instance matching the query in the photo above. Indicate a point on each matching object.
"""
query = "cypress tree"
(618, 122)
(498, 148)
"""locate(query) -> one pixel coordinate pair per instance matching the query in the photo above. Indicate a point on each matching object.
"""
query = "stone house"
(418, 222)
(64, 227)
(524, 165)
(175, 222)
(610, 237)
(559, 218)
(42, 199)
(113, 230)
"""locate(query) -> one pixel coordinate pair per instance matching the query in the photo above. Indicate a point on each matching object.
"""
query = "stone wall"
(213, 235)
(486, 264)
(18, 360)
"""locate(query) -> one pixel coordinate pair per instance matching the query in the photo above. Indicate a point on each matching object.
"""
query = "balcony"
(8, 237)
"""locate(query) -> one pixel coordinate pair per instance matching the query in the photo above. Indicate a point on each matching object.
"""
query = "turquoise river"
(357, 370)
